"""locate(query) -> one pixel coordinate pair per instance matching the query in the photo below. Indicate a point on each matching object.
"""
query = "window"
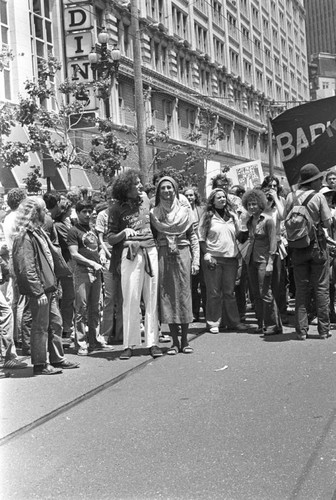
(255, 17)
(201, 5)
(221, 88)
(205, 81)
(268, 57)
(41, 35)
(5, 76)
(180, 20)
(246, 38)
(265, 25)
(164, 64)
(259, 80)
(248, 71)
(154, 9)
(234, 58)
(217, 13)
(219, 51)
(183, 69)
(232, 25)
(201, 35)
(167, 112)
(257, 48)
(190, 118)
(40, 29)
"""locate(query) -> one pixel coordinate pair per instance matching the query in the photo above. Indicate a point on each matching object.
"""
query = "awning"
(14, 177)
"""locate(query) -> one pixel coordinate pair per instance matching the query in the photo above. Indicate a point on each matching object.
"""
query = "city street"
(243, 418)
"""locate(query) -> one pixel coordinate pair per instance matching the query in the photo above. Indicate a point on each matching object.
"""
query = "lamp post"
(104, 64)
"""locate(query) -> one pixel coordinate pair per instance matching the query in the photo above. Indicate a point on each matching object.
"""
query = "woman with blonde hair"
(36, 263)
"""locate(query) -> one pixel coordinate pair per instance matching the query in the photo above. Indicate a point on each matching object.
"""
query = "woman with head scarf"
(217, 232)
(178, 258)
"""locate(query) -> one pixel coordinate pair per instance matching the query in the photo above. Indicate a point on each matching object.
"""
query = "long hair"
(268, 179)
(29, 215)
(196, 194)
(210, 208)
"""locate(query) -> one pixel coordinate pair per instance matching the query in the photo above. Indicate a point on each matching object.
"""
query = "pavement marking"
(312, 459)
(84, 397)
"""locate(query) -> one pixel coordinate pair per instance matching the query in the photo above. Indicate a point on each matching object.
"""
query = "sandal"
(187, 349)
(173, 350)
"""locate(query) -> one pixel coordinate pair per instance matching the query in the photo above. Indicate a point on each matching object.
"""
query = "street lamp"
(104, 62)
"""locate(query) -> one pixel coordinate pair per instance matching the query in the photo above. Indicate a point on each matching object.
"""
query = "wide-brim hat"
(309, 173)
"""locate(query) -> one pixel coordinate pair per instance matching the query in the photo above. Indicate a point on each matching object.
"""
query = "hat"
(309, 173)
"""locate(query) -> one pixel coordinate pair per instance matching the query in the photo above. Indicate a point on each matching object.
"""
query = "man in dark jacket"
(35, 261)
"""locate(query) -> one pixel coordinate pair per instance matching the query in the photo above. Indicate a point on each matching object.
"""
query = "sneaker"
(214, 329)
(325, 335)
(46, 369)
(82, 351)
(155, 351)
(260, 329)
(98, 347)
(66, 364)
(301, 336)
(14, 363)
(126, 354)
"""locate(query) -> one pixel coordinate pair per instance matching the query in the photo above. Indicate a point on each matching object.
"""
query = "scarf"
(171, 218)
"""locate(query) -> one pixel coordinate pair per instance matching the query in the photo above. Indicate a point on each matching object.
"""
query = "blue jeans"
(266, 309)
(67, 303)
(87, 290)
(112, 324)
(7, 346)
(308, 274)
(46, 331)
(220, 285)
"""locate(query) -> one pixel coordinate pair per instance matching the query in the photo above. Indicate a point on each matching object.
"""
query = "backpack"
(299, 224)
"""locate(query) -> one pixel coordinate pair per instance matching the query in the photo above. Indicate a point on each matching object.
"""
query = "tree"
(33, 185)
(50, 132)
(208, 128)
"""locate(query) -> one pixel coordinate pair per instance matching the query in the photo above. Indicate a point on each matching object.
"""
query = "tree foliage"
(49, 115)
(32, 181)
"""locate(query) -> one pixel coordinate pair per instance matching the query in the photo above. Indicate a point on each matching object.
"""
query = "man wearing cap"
(306, 270)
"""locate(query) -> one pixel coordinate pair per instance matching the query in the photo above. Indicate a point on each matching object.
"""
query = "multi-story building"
(320, 25)
(322, 75)
(237, 61)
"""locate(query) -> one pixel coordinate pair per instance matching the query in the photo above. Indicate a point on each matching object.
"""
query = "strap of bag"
(305, 201)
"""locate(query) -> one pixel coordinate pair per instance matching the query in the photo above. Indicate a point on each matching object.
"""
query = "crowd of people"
(90, 273)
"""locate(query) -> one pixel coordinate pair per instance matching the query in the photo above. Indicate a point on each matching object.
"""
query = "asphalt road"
(242, 418)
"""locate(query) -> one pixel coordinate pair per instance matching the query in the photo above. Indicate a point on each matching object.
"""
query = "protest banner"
(248, 174)
(307, 134)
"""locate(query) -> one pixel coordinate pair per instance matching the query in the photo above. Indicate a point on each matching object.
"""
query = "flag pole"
(270, 143)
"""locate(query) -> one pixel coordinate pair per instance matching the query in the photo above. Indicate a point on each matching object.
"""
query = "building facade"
(238, 61)
(320, 25)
